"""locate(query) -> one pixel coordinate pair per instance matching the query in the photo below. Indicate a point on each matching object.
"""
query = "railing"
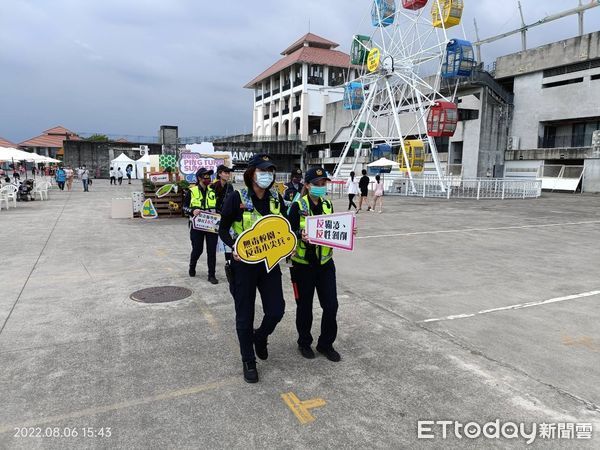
(297, 108)
(284, 138)
(276, 91)
(266, 95)
(565, 141)
(276, 114)
(285, 111)
(258, 98)
(317, 139)
(316, 80)
(286, 87)
(298, 82)
(266, 116)
(473, 188)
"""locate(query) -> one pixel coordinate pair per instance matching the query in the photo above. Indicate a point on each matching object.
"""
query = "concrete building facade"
(556, 110)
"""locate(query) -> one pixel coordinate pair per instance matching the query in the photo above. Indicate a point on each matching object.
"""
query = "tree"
(98, 138)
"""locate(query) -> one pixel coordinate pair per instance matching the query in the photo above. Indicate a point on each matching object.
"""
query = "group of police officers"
(312, 265)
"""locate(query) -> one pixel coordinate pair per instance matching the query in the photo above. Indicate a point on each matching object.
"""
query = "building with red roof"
(7, 143)
(291, 95)
(50, 142)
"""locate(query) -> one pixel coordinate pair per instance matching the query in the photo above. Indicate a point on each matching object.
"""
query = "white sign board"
(332, 230)
(159, 177)
(206, 221)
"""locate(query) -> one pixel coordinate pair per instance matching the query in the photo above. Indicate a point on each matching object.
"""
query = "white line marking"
(512, 307)
(468, 230)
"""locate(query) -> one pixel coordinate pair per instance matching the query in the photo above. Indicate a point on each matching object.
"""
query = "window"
(562, 83)
(315, 74)
(337, 76)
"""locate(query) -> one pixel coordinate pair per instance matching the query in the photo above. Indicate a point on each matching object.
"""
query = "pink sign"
(190, 162)
(332, 230)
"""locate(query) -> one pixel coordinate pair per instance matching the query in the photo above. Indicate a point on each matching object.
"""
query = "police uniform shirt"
(292, 190)
(233, 211)
(222, 192)
(294, 218)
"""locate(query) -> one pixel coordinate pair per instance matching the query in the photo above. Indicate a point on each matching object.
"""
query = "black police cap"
(316, 174)
(224, 168)
(203, 172)
(261, 161)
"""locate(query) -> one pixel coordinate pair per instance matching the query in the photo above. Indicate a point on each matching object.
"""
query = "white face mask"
(263, 179)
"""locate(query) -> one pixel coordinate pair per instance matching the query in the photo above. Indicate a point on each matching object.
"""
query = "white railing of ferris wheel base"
(475, 188)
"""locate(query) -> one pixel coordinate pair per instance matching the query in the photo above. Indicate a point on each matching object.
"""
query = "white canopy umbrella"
(383, 162)
(13, 154)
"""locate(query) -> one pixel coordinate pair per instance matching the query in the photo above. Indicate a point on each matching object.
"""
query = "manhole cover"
(160, 294)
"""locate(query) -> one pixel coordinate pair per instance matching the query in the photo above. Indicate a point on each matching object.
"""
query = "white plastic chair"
(3, 199)
(41, 189)
(9, 192)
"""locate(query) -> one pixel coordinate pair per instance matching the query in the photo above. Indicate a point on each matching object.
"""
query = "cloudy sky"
(128, 66)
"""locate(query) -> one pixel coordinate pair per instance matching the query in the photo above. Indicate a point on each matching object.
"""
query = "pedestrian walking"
(313, 268)
(378, 195)
(113, 176)
(85, 179)
(128, 171)
(352, 189)
(70, 176)
(294, 186)
(119, 176)
(242, 209)
(201, 197)
(61, 177)
(363, 184)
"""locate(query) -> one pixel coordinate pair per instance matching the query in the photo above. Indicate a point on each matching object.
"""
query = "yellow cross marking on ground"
(301, 408)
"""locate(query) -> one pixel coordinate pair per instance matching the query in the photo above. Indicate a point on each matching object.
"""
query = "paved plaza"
(449, 310)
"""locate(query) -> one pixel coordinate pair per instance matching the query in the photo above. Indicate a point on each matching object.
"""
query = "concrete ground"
(77, 353)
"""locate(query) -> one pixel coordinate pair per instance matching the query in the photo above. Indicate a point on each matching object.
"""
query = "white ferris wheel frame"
(399, 88)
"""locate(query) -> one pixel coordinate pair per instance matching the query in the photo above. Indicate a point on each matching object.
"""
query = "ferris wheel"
(407, 72)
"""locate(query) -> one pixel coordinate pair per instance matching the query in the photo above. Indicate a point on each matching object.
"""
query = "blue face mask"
(264, 179)
(318, 191)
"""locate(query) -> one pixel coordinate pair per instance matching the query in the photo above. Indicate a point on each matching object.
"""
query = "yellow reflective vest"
(324, 254)
(197, 198)
(250, 216)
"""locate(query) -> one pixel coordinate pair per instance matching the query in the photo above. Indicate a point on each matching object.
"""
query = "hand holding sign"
(332, 230)
(269, 240)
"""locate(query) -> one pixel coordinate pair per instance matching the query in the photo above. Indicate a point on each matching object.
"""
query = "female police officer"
(241, 211)
(313, 267)
(202, 198)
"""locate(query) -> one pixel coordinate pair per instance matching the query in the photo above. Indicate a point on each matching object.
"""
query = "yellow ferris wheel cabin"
(451, 13)
(415, 153)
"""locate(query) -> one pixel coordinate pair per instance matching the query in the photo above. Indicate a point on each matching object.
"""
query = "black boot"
(260, 347)
(329, 353)
(213, 280)
(192, 270)
(250, 372)
(306, 351)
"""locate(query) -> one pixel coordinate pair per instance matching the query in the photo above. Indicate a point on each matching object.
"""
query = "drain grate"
(161, 294)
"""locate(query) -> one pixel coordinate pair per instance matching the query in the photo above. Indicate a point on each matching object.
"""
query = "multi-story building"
(556, 112)
(291, 95)
(290, 103)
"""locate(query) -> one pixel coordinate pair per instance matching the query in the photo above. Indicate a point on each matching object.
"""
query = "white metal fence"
(474, 188)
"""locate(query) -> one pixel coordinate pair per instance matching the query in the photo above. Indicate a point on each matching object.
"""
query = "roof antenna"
(309, 24)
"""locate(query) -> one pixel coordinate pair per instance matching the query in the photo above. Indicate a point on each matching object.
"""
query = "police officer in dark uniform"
(223, 189)
(294, 186)
(241, 211)
(313, 268)
(202, 197)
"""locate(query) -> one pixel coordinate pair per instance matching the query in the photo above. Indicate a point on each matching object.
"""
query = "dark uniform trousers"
(307, 279)
(197, 238)
(246, 278)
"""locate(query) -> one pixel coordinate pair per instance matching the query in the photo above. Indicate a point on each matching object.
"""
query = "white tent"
(122, 161)
(140, 164)
(383, 162)
(10, 154)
